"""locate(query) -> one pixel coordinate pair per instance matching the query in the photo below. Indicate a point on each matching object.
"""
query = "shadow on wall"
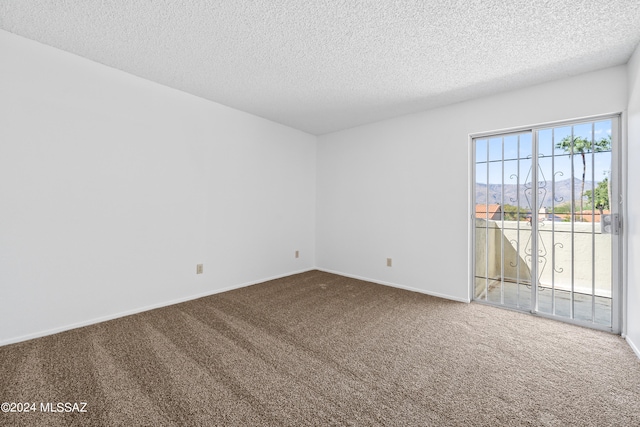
(516, 269)
(574, 255)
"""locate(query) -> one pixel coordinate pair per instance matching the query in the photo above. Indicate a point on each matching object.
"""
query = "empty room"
(281, 213)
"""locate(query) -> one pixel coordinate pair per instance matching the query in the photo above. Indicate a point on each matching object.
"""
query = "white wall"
(400, 188)
(113, 188)
(632, 222)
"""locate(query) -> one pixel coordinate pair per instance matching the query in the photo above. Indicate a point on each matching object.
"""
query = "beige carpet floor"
(316, 349)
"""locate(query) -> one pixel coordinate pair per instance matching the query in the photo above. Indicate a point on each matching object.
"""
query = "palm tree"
(582, 146)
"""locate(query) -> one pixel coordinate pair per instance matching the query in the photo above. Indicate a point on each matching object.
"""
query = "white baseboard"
(141, 309)
(395, 285)
(633, 346)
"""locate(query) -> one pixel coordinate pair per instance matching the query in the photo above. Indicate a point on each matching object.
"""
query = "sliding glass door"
(546, 221)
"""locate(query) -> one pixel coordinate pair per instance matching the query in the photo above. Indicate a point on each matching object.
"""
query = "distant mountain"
(493, 193)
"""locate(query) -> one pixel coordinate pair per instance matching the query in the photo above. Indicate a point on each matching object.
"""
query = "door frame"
(619, 188)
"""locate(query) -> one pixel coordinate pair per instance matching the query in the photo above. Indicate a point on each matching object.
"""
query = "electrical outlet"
(297, 254)
(389, 262)
(199, 268)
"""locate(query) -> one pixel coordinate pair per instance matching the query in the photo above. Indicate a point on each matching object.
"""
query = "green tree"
(599, 197)
(563, 208)
(513, 213)
(582, 146)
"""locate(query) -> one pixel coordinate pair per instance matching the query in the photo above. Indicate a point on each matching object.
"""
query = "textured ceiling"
(322, 66)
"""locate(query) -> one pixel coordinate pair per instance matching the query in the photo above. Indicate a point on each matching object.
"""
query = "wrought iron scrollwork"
(558, 199)
(559, 269)
(541, 188)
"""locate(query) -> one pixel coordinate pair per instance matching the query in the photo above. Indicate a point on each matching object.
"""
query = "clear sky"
(516, 152)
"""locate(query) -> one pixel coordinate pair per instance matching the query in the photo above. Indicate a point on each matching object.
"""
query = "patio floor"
(519, 296)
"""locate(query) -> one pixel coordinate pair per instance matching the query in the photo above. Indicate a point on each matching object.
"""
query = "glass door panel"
(502, 229)
(545, 210)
